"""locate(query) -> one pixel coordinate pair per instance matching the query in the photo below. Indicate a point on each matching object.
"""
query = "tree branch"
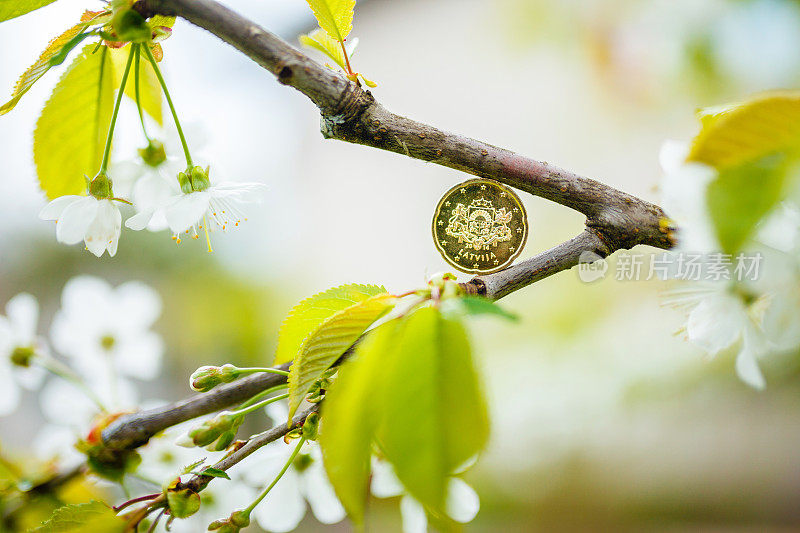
(198, 483)
(134, 430)
(615, 220)
(564, 256)
(351, 114)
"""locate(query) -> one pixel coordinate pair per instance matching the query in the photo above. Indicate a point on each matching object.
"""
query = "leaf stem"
(107, 149)
(261, 395)
(138, 51)
(63, 371)
(134, 501)
(171, 105)
(289, 462)
(258, 405)
(347, 60)
(255, 370)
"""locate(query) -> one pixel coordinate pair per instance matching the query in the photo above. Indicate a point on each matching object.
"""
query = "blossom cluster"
(100, 344)
(164, 194)
(754, 314)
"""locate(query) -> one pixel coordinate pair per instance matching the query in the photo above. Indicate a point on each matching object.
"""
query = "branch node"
(285, 75)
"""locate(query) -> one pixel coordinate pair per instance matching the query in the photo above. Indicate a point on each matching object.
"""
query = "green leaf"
(329, 341)
(320, 40)
(740, 197)
(189, 468)
(80, 517)
(41, 66)
(434, 417)
(307, 316)
(215, 472)
(70, 133)
(476, 305)
(10, 9)
(334, 16)
(371, 84)
(149, 88)
(350, 412)
(161, 20)
(734, 135)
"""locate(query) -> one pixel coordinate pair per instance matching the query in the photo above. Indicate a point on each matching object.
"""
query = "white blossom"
(304, 481)
(56, 443)
(720, 317)
(96, 222)
(219, 205)
(103, 328)
(462, 503)
(683, 192)
(18, 336)
(148, 184)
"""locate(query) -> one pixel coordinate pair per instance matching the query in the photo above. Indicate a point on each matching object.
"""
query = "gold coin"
(480, 226)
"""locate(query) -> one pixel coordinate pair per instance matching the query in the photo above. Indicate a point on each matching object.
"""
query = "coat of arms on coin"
(480, 226)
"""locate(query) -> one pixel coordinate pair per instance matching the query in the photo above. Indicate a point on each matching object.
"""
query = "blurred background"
(604, 417)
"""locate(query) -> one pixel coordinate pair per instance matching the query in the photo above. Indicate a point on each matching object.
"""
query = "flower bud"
(107, 462)
(183, 503)
(211, 430)
(233, 524)
(311, 427)
(240, 518)
(222, 442)
(22, 356)
(130, 25)
(153, 154)
(161, 32)
(199, 178)
(100, 187)
(185, 182)
(206, 378)
(444, 285)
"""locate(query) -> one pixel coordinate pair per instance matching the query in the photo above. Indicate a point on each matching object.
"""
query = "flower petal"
(139, 303)
(384, 481)
(57, 442)
(187, 211)
(31, 377)
(283, 508)
(716, 323)
(103, 232)
(9, 394)
(87, 295)
(462, 501)
(153, 191)
(140, 220)
(320, 495)
(75, 220)
(53, 210)
(63, 404)
(414, 518)
(140, 357)
(124, 176)
(746, 364)
(248, 192)
(23, 314)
